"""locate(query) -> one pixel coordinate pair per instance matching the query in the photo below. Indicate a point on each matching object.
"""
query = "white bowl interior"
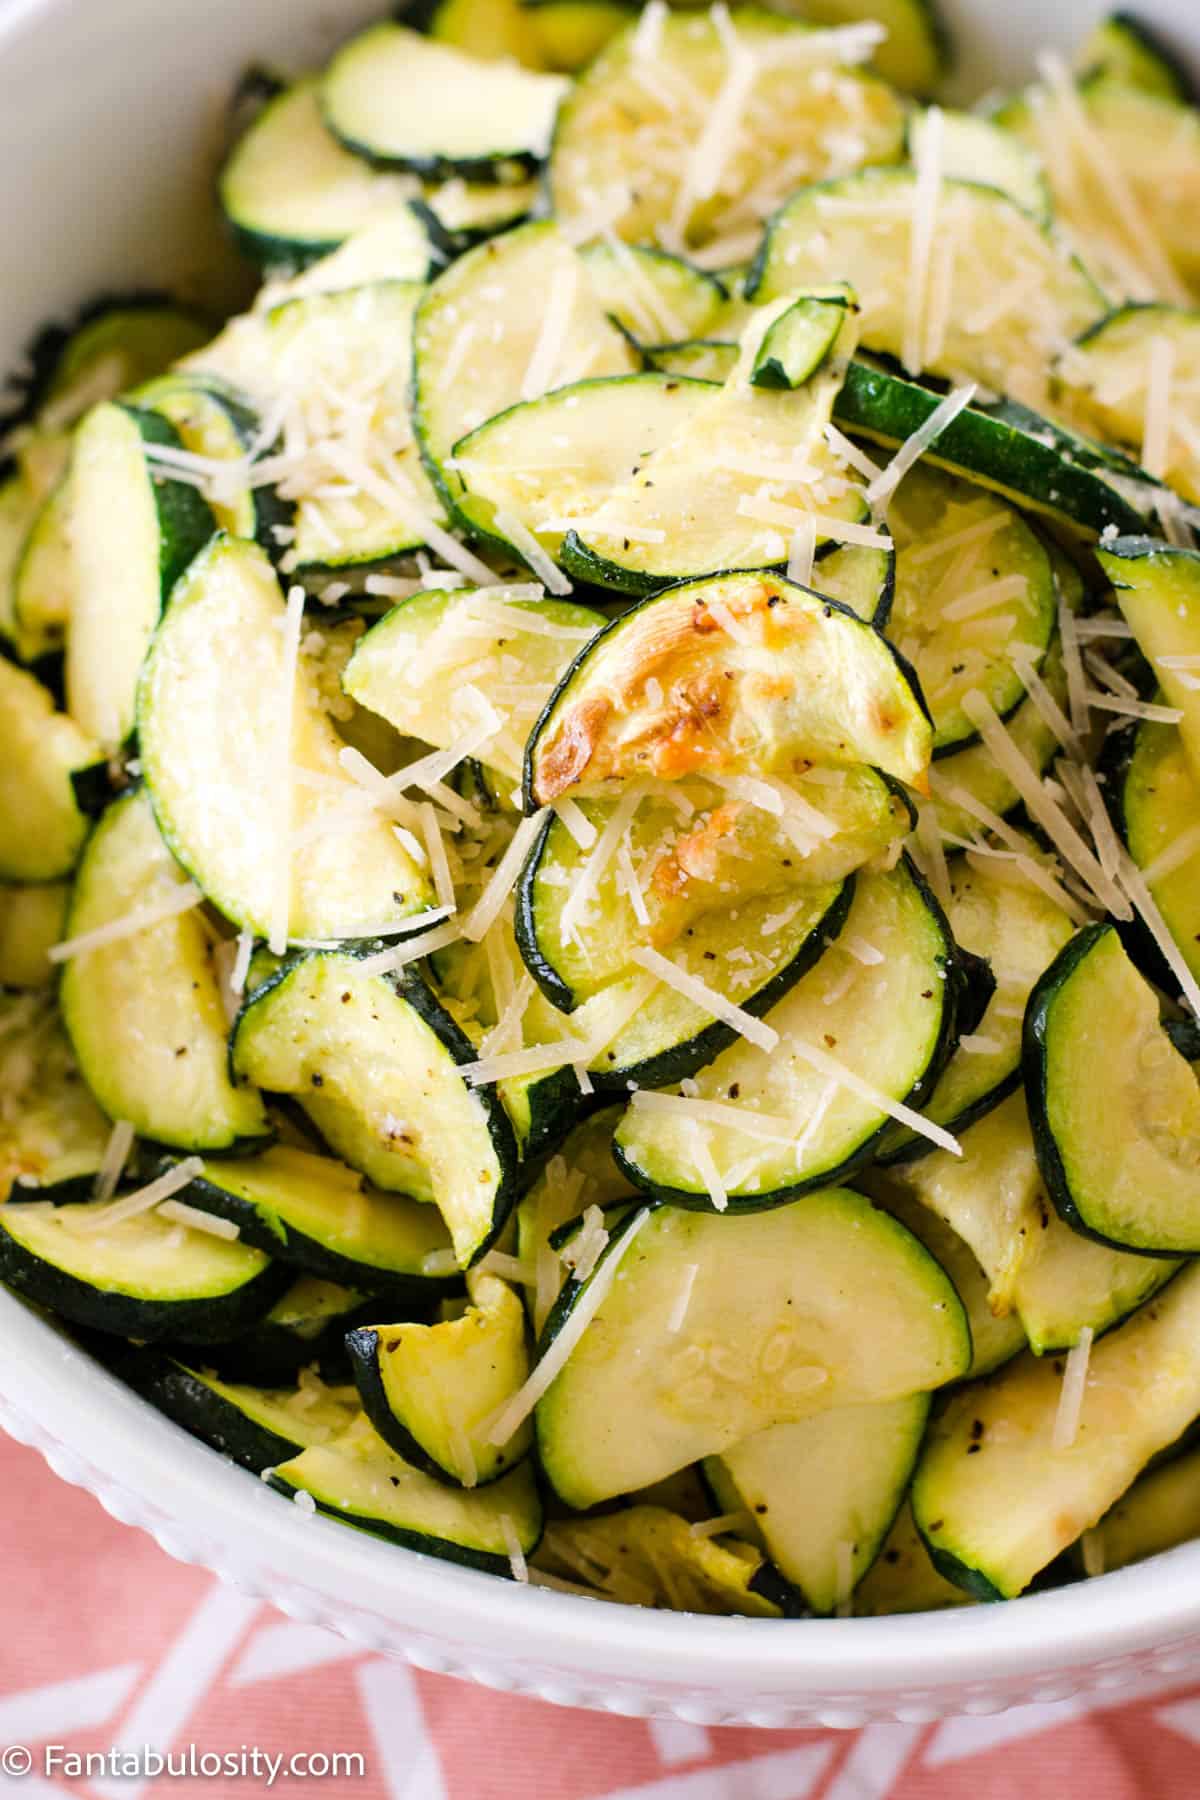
(111, 119)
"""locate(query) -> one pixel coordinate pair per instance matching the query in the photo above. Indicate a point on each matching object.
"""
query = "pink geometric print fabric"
(106, 1642)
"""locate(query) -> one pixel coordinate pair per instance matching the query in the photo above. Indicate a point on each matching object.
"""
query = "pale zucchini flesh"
(1159, 800)
(41, 826)
(649, 1556)
(52, 1132)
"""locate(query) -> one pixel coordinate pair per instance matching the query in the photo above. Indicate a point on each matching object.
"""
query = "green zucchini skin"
(408, 1540)
(272, 1353)
(207, 1321)
(185, 521)
(307, 1255)
(1003, 447)
(362, 1347)
(193, 1404)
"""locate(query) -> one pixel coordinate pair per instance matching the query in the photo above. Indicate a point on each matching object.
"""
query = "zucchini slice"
(491, 30)
(1145, 250)
(382, 251)
(1104, 379)
(462, 376)
(798, 341)
(902, 1579)
(800, 1128)
(995, 1336)
(1039, 466)
(255, 1427)
(822, 1304)
(52, 1133)
(723, 494)
(603, 432)
(113, 346)
(823, 1492)
(961, 612)
(699, 359)
(134, 1278)
(1157, 588)
(977, 150)
(43, 580)
(41, 826)
(996, 1499)
(31, 921)
(1006, 313)
(360, 1480)
(1020, 932)
(144, 1012)
(210, 706)
(862, 578)
(317, 1215)
(647, 1555)
(1158, 801)
(569, 33)
(374, 1060)
(916, 52)
(742, 674)
(305, 1329)
(1117, 1136)
(801, 111)
(429, 663)
(433, 1391)
(212, 423)
(406, 102)
(134, 532)
(1124, 47)
(582, 1174)
(1160, 1510)
(655, 297)
(291, 193)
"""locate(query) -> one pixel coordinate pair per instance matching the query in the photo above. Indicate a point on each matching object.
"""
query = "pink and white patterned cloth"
(107, 1644)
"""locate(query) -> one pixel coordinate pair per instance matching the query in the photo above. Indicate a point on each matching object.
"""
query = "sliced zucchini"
(1157, 587)
(1104, 380)
(317, 1215)
(432, 1391)
(916, 52)
(374, 1062)
(210, 708)
(695, 853)
(1022, 456)
(113, 346)
(291, 193)
(1160, 1510)
(134, 531)
(1124, 47)
(653, 296)
(603, 431)
(995, 1336)
(31, 921)
(700, 359)
(977, 150)
(255, 1427)
(1066, 1284)
(862, 578)
(1144, 248)
(43, 580)
(795, 344)
(801, 113)
(360, 1480)
(306, 1328)
(801, 1128)
(41, 826)
(741, 674)
(212, 423)
(140, 1277)
(144, 1012)
(582, 1174)
(569, 33)
(52, 1133)
(470, 211)
(996, 1498)
(822, 1304)
(1158, 799)
(823, 1492)
(902, 1579)
(388, 250)
(962, 614)
(722, 495)
(1006, 314)
(1117, 1136)
(463, 374)
(492, 30)
(646, 1555)
(403, 101)
(410, 667)
(1020, 932)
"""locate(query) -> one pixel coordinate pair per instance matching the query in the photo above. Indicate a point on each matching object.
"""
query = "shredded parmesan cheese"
(914, 447)
(1074, 1385)
(765, 1037)
(112, 1163)
(143, 1199)
(196, 1220)
(142, 918)
(487, 908)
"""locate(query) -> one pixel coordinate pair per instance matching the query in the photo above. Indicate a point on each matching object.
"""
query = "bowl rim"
(153, 1474)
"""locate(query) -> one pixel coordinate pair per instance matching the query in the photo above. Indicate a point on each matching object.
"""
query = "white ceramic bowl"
(109, 114)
